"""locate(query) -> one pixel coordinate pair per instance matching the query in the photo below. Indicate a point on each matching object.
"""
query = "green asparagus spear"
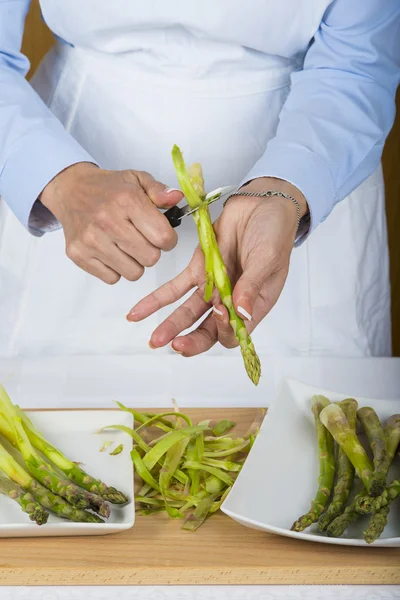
(345, 472)
(377, 440)
(326, 468)
(41, 470)
(335, 421)
(392, 432)
(71, 469)
(352, 512)
(342, 522)
(25, 499)
(45, 497)
(370, 505)
(215, 270)
(376, 525)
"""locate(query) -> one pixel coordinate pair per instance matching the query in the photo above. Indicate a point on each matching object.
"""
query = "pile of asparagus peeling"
(41, 479)
(191, 182)
(188, 469)
(337, 422)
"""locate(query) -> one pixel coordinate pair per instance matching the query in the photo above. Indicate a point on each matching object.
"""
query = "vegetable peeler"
(176, 213)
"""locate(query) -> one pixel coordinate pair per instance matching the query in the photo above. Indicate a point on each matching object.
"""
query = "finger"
(199, 341)
(170, 292)
(98, 269)
(117, 260)
(165, 295)
(133, 243)
(158, 192)
(79, 254)
(226, 336)
(182, 318)
(147, 219)
(268, 297)
(256, 272)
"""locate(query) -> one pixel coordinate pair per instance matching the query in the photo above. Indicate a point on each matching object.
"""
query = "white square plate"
(279, 478)
(74, 432)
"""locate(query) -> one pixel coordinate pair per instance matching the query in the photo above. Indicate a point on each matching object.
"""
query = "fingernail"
(218, 314)
(151, 345)
(131, 314)
(176, 351)
(244, 313)
(169, 190)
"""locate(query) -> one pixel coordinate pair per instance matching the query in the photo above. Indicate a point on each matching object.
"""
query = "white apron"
(140, 77)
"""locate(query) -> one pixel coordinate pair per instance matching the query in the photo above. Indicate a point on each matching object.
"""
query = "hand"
(256, 237)
(111, 223)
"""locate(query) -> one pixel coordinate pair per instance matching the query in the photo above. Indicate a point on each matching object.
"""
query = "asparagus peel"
(334, 419)
(155, 453)
(199, 515)
(377, 440)
(215, 270)
(326, 468)
(25, 499)
(345, 472)
(223, 427)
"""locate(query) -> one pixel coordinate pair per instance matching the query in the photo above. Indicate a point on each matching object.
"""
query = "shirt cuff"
(37, 157)
(306, 171)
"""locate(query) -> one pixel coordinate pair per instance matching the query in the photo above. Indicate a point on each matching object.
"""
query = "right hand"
(111, 222)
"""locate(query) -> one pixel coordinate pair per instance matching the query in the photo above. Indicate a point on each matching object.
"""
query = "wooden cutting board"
(157, 552)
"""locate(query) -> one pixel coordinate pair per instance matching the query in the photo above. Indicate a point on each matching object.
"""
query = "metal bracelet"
(269, 194)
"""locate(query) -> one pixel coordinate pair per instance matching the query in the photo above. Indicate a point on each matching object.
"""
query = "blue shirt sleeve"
(34, 146)
(341, 106)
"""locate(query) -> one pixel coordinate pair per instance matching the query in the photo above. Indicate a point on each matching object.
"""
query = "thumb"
(246, 291)
(161, 195)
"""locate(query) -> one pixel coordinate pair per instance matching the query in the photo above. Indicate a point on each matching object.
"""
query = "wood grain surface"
(157, 552)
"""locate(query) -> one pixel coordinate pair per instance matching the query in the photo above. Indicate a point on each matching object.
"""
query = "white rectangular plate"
(279, 478)
(74, 432)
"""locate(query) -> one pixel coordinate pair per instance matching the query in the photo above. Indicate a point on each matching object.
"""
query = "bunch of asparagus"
(183, 468)
(337, 422)
(192, 185)
(41, 479)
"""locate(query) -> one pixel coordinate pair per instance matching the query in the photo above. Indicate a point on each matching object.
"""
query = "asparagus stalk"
(25, 499)
(71, 469)
(342, 522)
(377, 440)
(41, 470)
(392, 432)
(334, 419)
(370, 505)
(376, 525)
(367, 505)
(215, 270)
(326, 468)
(45, 497)
(345, 472)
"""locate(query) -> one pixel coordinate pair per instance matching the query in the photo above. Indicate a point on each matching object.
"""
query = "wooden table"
(157, 552)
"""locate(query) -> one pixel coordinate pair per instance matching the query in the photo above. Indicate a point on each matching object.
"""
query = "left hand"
(256, 238)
